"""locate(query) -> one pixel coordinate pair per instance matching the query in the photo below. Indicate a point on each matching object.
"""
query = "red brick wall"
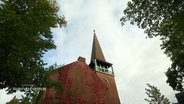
(80, 85)
(111, 92)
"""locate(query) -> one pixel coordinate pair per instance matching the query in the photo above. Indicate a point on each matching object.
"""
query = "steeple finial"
(96, 49)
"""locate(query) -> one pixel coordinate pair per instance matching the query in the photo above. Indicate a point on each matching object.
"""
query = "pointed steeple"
(96, 50)
(98, 62)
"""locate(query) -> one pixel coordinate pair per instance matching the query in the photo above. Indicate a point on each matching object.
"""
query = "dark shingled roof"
(96, 50)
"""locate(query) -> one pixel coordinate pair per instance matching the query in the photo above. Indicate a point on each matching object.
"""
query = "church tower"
(98, 62)
(80, 83)
(104, 71)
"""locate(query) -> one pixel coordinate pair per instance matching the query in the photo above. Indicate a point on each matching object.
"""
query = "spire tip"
(94, 31)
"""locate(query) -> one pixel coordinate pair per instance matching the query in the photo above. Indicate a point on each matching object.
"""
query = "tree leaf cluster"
(163, 18)
(32, 95)
(154, 96)
(29, 98)
(25, 35)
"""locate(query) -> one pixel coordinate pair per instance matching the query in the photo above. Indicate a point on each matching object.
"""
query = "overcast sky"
(136, 60)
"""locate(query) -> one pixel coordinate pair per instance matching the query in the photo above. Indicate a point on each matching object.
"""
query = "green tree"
(13, 101)
(163, 18)
(29, 98)
(25, 35)
(154, 96)
(32, 94)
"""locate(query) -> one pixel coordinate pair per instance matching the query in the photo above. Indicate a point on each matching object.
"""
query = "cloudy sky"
(136, 60)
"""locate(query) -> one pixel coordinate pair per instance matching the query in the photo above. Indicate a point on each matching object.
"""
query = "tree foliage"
(29, 98)
(13, 101)
(25, 35)
(154, 96)
(32, 94)
(163, 18)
